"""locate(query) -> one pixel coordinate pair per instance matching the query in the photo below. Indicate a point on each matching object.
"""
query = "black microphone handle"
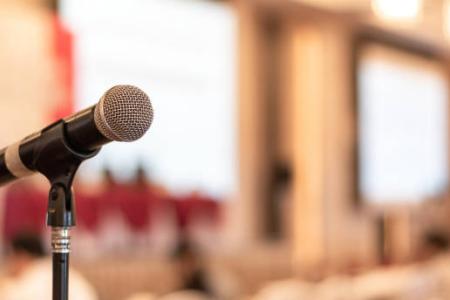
(81, 134)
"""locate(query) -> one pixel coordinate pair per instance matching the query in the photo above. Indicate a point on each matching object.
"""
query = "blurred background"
(299, 148)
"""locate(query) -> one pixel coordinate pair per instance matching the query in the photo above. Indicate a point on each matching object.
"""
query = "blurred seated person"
(192, 274)
(435, 242)
(30, 273)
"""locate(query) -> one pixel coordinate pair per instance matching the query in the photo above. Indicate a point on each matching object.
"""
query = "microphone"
(124, 114)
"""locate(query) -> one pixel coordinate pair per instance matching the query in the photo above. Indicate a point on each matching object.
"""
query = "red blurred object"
(134, 204)
(25, 210)
(139, 205)
(88, 208)
(195, 207)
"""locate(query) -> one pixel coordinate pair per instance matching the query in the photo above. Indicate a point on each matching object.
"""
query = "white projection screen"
(402, 118)
(183, 54)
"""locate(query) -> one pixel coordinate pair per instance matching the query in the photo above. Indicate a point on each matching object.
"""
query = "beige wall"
(27, 76)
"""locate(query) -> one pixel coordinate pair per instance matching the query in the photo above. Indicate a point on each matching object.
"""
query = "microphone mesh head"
(124, 113)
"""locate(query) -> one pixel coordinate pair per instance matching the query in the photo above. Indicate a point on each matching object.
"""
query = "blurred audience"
(143, 207)
(30, 273)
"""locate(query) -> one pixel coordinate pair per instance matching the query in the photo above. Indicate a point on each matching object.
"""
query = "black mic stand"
(58, 161)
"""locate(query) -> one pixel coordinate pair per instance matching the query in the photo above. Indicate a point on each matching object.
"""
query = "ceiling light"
(397, 10)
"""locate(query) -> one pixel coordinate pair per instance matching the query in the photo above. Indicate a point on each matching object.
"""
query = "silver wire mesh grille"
(124, 113)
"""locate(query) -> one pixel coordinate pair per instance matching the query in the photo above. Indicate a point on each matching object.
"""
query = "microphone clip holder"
(58, 161)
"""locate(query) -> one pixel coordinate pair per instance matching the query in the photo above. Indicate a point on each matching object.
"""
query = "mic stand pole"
(60, 261)
(60, 208)
(59, 166)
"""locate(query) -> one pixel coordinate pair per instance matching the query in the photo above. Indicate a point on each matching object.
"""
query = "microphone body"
(124, 113)
(17, 160)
